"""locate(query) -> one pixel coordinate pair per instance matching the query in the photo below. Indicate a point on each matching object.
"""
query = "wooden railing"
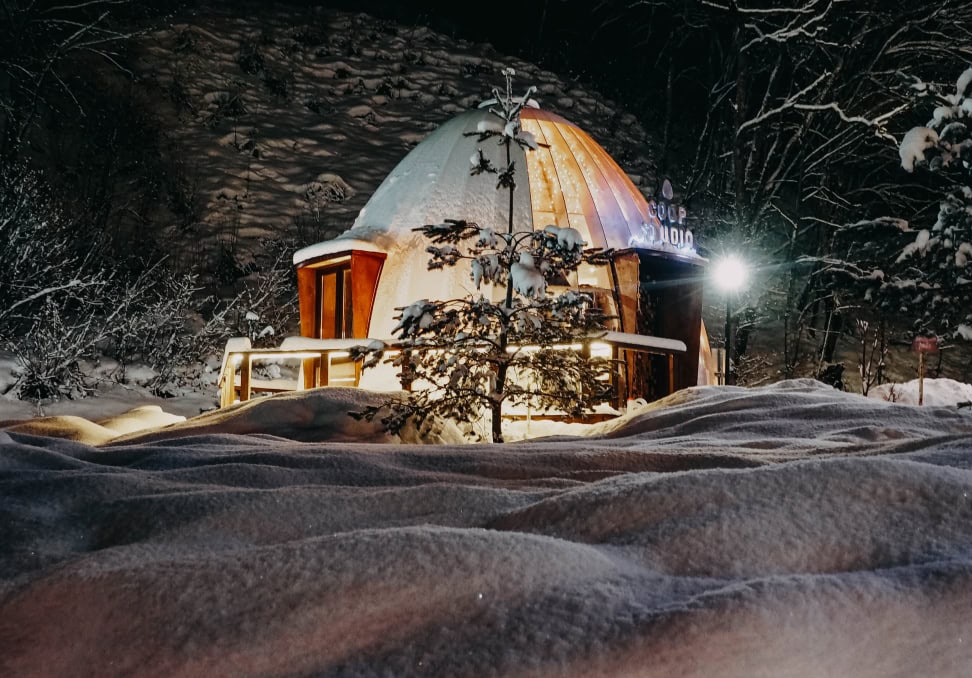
(323, 362)
(327, 362)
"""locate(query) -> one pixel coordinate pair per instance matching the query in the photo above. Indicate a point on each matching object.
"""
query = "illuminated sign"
(665, 225)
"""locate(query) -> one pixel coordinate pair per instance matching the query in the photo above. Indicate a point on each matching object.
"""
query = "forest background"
(780, 124)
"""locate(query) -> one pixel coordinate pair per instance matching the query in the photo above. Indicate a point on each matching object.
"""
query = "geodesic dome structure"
(351, 286)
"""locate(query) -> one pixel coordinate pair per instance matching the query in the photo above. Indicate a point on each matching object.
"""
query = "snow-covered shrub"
(64, 301)
(250, 59)
(224, 104)
(266, 305)
(151, 326)
(160, 336)
(45, 277)
(475, 354)
(49, 355)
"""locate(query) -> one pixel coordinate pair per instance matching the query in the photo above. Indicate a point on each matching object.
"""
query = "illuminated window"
(337, 294)
(335, 312)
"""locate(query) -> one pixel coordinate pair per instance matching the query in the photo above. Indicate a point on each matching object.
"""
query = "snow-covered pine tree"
(891, 275)
(475, 354)
(940, 256)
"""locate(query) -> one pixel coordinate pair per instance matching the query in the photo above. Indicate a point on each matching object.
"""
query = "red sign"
(925, 345)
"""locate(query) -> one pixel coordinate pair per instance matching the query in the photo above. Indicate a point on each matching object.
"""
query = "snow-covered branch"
(877, 123)
(789, 104)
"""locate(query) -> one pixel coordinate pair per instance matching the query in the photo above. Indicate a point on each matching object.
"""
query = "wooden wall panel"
(307, 295)
(365, 271)
(328, 305)
(625, 276)
(626, 267)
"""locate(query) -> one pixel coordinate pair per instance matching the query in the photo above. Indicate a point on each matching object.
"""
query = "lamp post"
(729, 274)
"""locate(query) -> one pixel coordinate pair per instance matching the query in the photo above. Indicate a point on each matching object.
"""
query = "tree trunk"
(496, 402)
(835, 325)
(496, 413)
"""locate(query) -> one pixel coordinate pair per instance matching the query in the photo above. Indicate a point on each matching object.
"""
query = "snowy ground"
(935, 392)
(790, 530)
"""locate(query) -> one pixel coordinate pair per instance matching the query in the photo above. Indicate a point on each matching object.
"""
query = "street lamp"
(729, 274)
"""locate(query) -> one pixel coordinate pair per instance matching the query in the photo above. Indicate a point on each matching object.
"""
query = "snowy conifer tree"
(942, 255)
(475, 354)
(892, 271)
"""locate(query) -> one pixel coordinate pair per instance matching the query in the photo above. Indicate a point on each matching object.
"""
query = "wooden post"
(671, 373)
(923, 345)
(630, 373)
(730, 378)
(245, 367)
(619, 377)
(308, 368)
(227, 391)
(720, 360)
(325, 374)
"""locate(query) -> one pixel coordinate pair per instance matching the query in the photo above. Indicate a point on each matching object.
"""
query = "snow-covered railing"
(323, 362)
(328, 362)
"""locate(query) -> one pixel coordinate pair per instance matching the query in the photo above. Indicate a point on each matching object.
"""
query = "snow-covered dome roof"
(569, 181)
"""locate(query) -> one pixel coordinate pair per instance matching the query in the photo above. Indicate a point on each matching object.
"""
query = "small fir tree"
(474, 354)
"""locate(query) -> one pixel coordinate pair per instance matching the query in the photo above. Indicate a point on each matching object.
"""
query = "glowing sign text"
(665, 224)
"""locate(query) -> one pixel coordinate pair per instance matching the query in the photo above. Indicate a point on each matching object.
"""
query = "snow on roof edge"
(335, 246)
(646, 341)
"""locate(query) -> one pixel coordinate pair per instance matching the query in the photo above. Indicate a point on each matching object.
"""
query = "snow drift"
(785, 531)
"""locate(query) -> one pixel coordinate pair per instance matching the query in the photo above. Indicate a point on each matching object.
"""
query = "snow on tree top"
(530, 103)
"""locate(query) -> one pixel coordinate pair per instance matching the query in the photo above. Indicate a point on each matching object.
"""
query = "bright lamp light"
(730, 273)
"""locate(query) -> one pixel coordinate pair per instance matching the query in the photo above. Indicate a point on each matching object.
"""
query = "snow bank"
(936, 392)
(784, 531)
(316, 415)
(72, 427)
(67, 426)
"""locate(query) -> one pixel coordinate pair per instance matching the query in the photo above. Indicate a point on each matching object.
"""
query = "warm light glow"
(600, 350)
(530, 348)
(258, 355)
(730, 273)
